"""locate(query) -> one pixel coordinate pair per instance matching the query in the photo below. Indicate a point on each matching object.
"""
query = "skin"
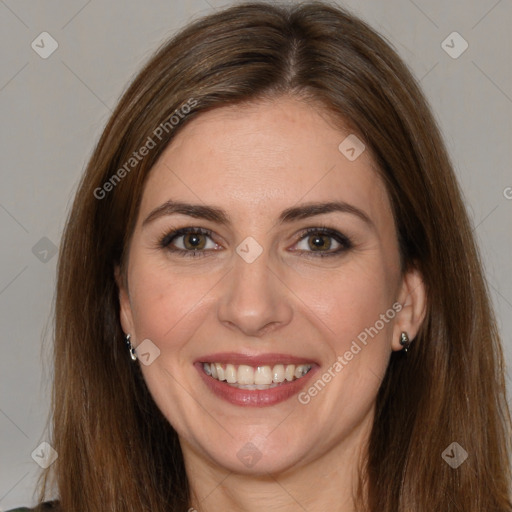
(255, 161)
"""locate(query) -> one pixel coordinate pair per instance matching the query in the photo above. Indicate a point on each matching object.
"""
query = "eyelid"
(344, 241)
(168, 236)
(176, 233)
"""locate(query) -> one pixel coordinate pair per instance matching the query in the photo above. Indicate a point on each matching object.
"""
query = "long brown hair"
(116, 450)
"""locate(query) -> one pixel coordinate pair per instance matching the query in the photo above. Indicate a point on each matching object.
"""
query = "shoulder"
(48, 506)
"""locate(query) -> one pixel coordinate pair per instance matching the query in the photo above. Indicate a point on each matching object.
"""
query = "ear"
(125, 313)
(412, 297)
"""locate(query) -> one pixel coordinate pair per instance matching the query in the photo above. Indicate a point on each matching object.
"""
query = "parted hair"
(117, 452)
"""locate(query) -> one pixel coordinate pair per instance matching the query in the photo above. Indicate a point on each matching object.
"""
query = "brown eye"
(189, 241)
(323, 242)
(319, 242)
(194, 241)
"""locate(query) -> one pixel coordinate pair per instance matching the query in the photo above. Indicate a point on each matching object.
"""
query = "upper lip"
(237, 358)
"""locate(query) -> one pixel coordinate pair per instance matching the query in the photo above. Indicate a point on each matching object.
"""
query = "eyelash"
(167, 238)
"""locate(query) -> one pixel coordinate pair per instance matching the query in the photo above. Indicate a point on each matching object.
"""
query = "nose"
(254, 298)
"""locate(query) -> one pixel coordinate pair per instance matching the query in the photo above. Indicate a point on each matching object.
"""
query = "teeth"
(278, 373)
(301, 370)
(220, 371)
(263, 375)
(260, 377)
(245, 374)
(289, 372)
(230, 373)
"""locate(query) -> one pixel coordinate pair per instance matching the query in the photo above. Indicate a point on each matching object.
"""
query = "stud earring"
(131, 348)
(405, 341)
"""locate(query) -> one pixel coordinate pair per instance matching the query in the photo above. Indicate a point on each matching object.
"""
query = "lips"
(261, 380)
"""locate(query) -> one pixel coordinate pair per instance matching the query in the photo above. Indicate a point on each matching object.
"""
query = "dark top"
(48, 506)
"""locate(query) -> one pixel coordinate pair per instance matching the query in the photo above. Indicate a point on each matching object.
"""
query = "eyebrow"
(219, 216)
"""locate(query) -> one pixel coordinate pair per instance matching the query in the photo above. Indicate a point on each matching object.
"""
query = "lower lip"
(254, 397)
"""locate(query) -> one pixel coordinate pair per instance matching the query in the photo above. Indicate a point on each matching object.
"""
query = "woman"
(269, 295)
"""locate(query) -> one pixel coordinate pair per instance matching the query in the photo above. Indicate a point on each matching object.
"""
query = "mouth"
(255, 380)
(256, 377)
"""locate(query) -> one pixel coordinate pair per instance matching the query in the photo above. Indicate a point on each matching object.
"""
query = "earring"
(405, 341)
(131, 348)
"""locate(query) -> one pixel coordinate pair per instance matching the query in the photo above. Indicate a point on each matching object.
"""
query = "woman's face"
(286, 283)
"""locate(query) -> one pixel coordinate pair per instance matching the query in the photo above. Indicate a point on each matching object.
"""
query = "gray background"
(53, 111)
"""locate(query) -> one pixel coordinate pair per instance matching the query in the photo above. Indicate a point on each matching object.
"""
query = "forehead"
(258, 159)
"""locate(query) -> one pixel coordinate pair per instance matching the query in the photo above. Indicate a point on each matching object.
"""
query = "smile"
(255, 377)
(255, 380)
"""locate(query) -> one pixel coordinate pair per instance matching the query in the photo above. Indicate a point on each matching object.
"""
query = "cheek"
(163, 301)
(351, 299)
(353, 308)
(167, 309)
